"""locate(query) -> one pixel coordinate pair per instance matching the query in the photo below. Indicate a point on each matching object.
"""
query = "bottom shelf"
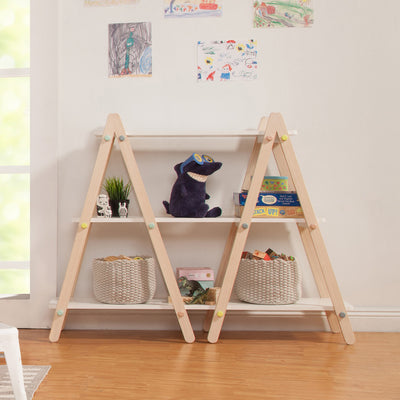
(303, 305)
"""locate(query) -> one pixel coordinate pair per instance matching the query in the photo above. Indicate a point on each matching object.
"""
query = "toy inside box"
(209, 297)
(271, 205)
(196, 285)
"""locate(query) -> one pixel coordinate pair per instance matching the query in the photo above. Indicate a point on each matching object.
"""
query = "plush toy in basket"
(188, 195)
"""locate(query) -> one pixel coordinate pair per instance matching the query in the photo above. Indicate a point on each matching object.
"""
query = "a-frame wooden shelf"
(271, 139)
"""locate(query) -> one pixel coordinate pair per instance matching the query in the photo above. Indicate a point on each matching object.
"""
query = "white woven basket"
(268, 282)
(124, 281)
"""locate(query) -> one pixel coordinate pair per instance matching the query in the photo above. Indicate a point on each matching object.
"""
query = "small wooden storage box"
(124, 281)
(268, 282)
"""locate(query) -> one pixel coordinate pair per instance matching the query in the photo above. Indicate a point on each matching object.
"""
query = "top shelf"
(170, 219)
(196, 134)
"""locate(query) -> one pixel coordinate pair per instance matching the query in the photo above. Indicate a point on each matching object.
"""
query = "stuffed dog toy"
(188, 195)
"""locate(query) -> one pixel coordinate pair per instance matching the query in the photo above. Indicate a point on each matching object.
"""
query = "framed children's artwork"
(227, 60)
(283, 13)
(192, 8)
(94, 3)
(129, 49)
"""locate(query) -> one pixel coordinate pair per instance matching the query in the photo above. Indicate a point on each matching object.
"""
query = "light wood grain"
(315, 246)
(256, 170)
(114, 129)
(83, 230)
(242, 366)
(154, 233)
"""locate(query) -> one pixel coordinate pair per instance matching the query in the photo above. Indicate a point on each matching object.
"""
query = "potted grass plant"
(118, 193)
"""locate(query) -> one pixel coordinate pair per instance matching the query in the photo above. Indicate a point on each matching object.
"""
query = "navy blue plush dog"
(188, 195)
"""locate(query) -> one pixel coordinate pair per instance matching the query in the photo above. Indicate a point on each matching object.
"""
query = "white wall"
(336, 83)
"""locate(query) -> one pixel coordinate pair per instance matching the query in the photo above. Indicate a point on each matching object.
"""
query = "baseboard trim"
(375, 319)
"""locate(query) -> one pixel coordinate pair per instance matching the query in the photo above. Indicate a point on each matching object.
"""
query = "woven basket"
(124, 281)
(268, 282)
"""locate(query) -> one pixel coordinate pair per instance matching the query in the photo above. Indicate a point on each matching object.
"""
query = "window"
(14, 147)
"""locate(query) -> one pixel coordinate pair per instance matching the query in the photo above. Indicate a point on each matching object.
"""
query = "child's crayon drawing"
(95, 3)
(130, 49)
(283, 13)
(227, 60)
(192, 8)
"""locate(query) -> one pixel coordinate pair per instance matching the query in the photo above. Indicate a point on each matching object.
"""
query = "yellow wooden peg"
(84, 225)
(220, 314)
(284, 138)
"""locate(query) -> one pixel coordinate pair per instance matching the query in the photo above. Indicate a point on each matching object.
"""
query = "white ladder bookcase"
(271, 138)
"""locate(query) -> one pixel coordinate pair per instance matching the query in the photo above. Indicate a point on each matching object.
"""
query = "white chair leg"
(12, 354)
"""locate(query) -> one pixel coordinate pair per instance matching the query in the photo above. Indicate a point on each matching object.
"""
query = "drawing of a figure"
(226, 72)
(130, 49)
(129, 43)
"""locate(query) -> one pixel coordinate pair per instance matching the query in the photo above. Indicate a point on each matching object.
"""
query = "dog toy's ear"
(177, 168)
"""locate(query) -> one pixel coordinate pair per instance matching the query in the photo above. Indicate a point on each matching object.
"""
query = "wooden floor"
(268, 365)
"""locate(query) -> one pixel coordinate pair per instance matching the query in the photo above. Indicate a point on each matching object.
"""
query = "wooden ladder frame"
(114, 130)
(276, 141)
(273, 139)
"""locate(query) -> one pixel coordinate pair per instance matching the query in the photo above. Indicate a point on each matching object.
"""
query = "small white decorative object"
(108, 212)
(102, 204)
(122, 210)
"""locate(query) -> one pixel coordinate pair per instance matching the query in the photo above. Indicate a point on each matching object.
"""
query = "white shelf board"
(303, 305)
(201, 134)
(173, 220)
